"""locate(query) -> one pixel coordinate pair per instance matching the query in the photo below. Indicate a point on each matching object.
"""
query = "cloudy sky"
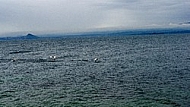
(64, 16)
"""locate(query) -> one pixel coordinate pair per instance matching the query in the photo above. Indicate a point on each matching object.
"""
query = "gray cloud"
(147, 9)
(46, 16)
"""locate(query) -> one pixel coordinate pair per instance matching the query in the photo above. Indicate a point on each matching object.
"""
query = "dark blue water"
(131, 71)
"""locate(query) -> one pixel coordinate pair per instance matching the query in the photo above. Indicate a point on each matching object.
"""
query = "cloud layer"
(61, 16)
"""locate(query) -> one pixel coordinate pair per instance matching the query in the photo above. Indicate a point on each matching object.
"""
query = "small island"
(30, 36)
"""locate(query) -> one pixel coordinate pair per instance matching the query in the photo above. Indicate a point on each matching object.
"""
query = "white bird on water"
(96, 60)
(14, 59)
(53, 57)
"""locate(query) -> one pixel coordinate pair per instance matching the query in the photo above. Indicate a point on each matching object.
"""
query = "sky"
(70, 16)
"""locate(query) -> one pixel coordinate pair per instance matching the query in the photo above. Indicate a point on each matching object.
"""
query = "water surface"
(131, 71)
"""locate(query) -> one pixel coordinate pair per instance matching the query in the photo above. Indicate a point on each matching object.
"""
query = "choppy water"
(151, 71)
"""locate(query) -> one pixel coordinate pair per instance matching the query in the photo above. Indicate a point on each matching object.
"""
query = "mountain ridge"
(102, 33)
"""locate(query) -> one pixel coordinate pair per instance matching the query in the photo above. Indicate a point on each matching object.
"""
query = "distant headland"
(28, 36)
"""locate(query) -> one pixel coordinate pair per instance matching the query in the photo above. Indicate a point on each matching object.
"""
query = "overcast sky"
(64, 16)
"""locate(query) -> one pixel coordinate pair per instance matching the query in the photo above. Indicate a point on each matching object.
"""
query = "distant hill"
(28, 36)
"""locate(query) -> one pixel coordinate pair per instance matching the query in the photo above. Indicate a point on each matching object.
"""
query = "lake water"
(131, 71)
